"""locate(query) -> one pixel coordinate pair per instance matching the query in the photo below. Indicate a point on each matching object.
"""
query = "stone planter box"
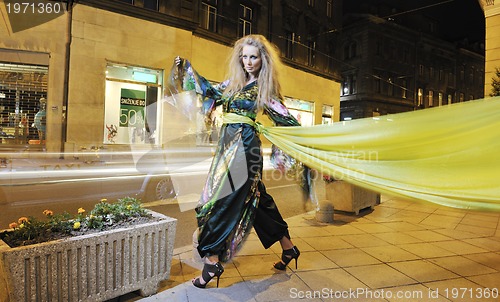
(94, 267)
(349, 198)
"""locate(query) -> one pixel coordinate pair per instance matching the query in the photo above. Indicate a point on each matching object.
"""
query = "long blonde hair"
(267, 80)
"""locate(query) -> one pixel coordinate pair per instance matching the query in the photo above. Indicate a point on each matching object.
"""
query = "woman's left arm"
(279, 114)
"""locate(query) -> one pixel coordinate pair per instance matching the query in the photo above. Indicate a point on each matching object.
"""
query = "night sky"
(458, 19)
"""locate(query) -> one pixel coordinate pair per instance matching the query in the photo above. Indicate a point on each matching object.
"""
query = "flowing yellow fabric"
(448, 155)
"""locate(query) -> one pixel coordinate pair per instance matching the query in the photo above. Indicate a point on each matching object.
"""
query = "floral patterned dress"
(234, 195)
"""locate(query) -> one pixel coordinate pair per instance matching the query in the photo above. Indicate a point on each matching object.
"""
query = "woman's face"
(250, 58)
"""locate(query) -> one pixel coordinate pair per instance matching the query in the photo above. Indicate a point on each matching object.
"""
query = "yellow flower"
(129, 207)
(81, 210)
(21, 225)
(76, 225)
(48, 213)
(104, 200)
(13, 225)
(22, 220)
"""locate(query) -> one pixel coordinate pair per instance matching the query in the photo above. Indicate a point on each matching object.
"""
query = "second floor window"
(377, 84)
(311, 53)
(290, 41)
(151, 4)
(209, 15)
(404, 88)
(329, 8)
(245, 21)
(352, 87)
(350, 50)
(345, 87)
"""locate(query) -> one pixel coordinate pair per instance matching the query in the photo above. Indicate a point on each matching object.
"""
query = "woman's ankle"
(211, 259)
(286, 243)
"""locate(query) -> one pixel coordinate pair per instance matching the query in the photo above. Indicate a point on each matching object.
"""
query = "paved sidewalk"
(400, 251)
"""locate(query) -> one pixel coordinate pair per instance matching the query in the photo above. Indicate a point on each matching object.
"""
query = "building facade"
(390, 68)
(97, 70)
(491, 10)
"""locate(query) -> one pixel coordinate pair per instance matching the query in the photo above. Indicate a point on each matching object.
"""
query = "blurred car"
(48, 178)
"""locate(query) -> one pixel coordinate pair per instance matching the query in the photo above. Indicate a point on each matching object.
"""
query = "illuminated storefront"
(302, 110)
(131, 104)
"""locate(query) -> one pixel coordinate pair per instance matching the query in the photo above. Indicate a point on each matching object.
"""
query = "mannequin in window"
(41, 120)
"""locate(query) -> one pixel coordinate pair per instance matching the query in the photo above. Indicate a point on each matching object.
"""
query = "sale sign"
(132, 108)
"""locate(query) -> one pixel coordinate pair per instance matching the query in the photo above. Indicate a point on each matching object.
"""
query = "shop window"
(327, 115)
(131, 105)
(23, 101)
(302, 110)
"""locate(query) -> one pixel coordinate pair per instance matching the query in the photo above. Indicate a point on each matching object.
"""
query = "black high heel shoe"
(286, 257)
(209, 271)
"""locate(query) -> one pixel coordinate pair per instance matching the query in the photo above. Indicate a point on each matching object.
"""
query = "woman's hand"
(178, 61)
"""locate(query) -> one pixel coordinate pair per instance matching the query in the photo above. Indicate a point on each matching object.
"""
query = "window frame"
(245, 21)
(209, 12)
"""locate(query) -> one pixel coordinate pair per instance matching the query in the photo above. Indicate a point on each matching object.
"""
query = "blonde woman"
(234, 198)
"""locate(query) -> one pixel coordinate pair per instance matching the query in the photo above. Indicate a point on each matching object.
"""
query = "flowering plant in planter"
(96, 255)
(29, 230)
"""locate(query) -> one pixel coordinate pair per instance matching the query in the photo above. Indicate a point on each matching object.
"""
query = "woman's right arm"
(184, 77)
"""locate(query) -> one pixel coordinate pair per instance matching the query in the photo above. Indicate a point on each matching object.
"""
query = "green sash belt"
(233, 118)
